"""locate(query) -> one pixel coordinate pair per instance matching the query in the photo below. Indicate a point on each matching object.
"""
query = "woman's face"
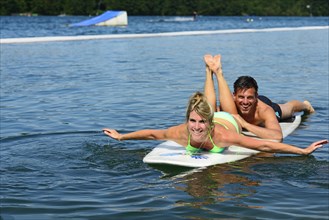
(198, 127)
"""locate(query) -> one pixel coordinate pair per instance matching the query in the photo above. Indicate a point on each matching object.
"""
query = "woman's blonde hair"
(198, 103)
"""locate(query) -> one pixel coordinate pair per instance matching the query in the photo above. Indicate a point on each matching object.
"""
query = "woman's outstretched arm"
(136, 135)
(172, 133)
(276, 147)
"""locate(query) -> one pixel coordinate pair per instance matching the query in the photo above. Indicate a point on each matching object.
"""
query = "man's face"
(245, 100)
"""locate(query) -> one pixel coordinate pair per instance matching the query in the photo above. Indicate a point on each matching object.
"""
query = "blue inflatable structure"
(109, 18)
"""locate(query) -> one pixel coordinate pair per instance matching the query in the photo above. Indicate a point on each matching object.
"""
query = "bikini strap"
(212, 140)
(189, 147)
(215, 148)
(221, 124)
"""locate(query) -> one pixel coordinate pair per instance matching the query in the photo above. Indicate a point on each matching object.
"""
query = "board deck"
(170, 152)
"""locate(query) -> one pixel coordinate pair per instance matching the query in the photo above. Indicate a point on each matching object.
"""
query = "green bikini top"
(215, 148)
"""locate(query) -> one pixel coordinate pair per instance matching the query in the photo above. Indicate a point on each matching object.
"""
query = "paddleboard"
(170, 152)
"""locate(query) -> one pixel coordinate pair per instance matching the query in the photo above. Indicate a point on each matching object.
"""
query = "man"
(260, 115)
(256, 114)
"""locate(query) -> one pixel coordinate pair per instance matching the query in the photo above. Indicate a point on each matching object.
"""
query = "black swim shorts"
(275, 106)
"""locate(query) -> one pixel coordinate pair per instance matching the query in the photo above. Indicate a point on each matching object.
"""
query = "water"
(59, 26)
(57, 96)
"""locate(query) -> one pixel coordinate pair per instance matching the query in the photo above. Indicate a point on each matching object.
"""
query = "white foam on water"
(168, 34)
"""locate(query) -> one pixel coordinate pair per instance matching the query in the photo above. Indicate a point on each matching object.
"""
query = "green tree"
(77, 7)
(7, 8)
(169, 7)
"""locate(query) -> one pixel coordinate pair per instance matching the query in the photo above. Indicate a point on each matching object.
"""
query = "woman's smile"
(198, 127)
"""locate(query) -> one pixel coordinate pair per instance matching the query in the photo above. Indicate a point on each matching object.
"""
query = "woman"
(206, 130)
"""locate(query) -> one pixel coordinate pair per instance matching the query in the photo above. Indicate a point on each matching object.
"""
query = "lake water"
(57, 96)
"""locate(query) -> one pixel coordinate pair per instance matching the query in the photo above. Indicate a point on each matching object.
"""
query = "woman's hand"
(112, 133)
(310, 149)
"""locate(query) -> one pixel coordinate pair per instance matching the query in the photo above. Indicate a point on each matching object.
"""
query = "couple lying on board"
(210, 128)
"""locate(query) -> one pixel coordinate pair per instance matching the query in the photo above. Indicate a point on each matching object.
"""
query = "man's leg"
(289, 108)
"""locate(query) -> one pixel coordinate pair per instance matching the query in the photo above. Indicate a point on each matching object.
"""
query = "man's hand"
(241, 121)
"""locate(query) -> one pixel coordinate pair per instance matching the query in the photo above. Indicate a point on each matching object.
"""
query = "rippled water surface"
(57, 96)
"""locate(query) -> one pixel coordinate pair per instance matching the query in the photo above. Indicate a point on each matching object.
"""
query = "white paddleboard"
(170, 152)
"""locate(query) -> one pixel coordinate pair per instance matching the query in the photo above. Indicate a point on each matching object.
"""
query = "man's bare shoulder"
(264, 111)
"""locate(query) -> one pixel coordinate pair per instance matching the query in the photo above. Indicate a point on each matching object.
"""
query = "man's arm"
(271, 129)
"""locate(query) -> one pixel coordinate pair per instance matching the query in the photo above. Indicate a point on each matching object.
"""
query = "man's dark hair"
(245, 82)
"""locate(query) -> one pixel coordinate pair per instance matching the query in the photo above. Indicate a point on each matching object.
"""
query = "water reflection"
(210, 185)
(218, 184)
(236, 181)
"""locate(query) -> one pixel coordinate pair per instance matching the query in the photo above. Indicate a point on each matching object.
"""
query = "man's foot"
(310, 108)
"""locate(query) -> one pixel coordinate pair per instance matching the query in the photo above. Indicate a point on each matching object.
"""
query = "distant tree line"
(169, 7)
